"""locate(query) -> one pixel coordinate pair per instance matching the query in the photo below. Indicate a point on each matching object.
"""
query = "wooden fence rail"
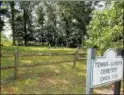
(38, 64)
(45, 63)
(7, 67)
(17, 55)
(29, 55)
(6, 56)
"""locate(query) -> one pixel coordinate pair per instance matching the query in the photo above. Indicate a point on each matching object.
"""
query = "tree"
(12, 4)
(56, 22)
(26, 7)
(78, 11)
(105, 29)
(19, 28)
(3, 12)
(40, 23)
(83, 16)
(51, 22)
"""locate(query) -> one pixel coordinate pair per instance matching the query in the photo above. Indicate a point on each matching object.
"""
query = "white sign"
(106, 69)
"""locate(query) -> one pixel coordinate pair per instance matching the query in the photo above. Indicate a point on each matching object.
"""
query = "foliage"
(3, 12)
(76, 16)
(54, 23)
(58, 23)
(105, 29)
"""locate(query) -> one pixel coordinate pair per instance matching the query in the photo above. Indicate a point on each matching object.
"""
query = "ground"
(51, 79)
(44, 79)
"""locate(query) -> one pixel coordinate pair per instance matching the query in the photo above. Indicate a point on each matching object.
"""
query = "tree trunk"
(0, 33)
(82, 44)
(12, 21)
(67, 30)
(25, 28)
(42, 35)
(67, 42)
(82, 36)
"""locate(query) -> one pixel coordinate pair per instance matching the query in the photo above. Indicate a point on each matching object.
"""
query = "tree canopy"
(105, 30)
(65, 23)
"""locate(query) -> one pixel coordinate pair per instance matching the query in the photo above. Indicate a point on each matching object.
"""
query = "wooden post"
(75, 58)
(118, 83)
(117, 88)
(16, 65)
(91, 54)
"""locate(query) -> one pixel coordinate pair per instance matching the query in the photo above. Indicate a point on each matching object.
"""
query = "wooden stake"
(75, 58)
(16, 65)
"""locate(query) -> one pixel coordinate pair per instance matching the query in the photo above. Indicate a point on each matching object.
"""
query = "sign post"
(118, 83)
(90, 56)
(103, 70)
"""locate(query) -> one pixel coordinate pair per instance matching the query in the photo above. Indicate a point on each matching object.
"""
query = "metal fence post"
(90, 56)
(16, 64)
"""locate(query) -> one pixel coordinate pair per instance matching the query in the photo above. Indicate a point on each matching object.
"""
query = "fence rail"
(16, 55)
(6, 56)
(37, 64)
(29, 55)
(45, 63)
(7, 67)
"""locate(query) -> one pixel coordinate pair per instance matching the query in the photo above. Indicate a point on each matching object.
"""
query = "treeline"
(51, 23)
(65, 23)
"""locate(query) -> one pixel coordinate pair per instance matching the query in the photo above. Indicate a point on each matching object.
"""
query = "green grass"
(36, 49)
(43, 79)
(49, 79)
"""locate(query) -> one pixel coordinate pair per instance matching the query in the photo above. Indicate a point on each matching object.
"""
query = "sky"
(7, 28)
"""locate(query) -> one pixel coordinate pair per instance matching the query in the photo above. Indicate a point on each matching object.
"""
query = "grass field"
(43, 79)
